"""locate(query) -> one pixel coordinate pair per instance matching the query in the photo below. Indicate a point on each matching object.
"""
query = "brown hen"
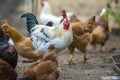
(44, 70)
(7, 72)
(81, 35)
(101, 30)
(22, 44)
(7, 50)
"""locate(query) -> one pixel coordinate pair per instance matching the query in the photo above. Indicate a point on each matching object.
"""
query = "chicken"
(80, 27)
(79, 42)
(22, 44)
(7, 50)
(81, 35)
(101, 30)
(44, 70)
(7, 72)
(42, 36)
(46, 15)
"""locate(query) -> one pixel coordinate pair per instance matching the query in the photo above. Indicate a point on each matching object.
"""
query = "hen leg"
(85, 57)
(102, 48)
(94, 46)
(71, 59)
(71, 49)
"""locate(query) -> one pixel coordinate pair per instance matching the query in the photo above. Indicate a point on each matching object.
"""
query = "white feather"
(55, 36)
(47, 16)
(103, 11)
(11, 41)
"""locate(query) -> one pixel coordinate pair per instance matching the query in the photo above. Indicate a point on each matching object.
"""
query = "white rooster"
(46, 16)
(42, 36)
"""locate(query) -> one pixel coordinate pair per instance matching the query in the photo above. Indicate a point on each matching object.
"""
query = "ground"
(97, 65)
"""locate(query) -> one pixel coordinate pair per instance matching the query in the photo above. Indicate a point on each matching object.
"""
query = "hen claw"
(71, 63)
(27, 61)
(84, 60)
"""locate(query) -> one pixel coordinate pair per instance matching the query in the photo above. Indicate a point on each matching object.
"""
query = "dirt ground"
(97, 65)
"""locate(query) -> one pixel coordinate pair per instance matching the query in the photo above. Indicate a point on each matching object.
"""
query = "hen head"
(89, 24)
(66, 23)
(5, 27)
(50, 55)
(74, 19)
(42, 2)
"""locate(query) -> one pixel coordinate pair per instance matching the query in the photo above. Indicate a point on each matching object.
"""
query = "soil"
(97, 65)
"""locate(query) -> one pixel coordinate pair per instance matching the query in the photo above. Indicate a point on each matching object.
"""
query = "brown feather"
(7, 72)
(22, 44)
(101, 32)
(44, 70)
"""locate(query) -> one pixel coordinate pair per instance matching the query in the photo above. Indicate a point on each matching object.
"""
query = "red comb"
(63, 12)
(41, 2)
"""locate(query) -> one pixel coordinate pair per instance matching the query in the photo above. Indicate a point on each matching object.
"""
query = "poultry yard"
(98, 64)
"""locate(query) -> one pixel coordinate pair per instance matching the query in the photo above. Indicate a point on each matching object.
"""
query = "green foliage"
(105, 15)
(114, 10)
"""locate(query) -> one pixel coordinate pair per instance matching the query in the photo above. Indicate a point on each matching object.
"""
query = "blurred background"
(11, 10)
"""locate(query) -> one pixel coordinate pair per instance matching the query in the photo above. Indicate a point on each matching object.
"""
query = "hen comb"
(64, 15)
(63, 12)
(41, 2)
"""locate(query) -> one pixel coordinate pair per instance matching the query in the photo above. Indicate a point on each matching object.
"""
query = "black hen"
(8, 52)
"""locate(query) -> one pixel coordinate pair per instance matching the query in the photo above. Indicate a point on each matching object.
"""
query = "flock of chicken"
(48, 36)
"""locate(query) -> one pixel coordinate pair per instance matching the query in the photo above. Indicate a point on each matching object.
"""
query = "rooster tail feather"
(31, 20)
